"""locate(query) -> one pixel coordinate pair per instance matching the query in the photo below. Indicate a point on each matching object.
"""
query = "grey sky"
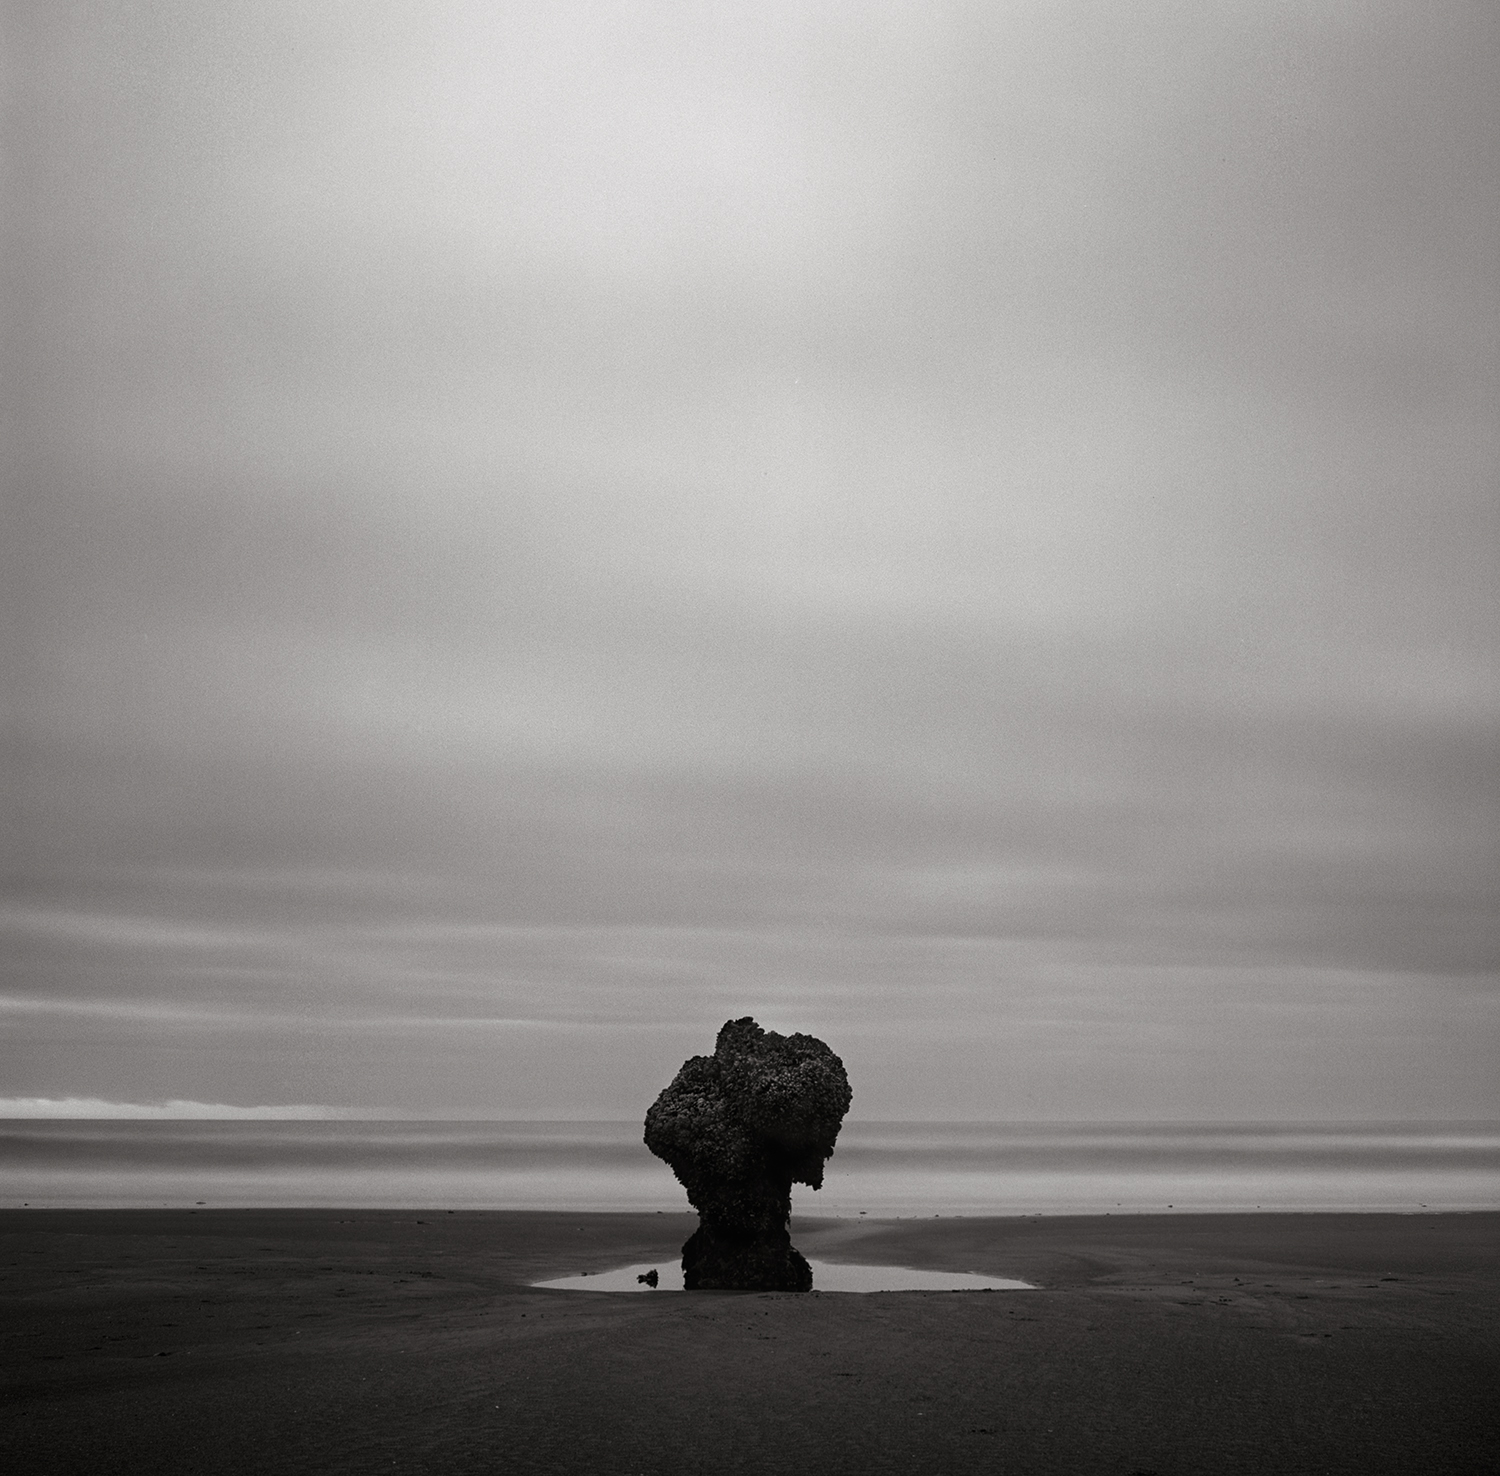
(969, 529)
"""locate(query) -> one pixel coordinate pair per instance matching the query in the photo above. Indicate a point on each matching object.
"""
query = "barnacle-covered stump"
(739, 1128)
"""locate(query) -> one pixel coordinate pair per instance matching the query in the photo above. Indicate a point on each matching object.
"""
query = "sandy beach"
(355, 1341)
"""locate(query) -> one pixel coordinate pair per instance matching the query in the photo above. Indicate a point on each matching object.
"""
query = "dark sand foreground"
(367, 1341)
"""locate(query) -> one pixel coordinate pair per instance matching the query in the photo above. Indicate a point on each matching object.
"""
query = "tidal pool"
(828, 1276)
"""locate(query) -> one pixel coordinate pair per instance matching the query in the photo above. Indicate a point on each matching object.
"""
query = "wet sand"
(360, 1341)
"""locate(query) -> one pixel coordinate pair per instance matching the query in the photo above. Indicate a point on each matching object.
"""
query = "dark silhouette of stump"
(739, 1128)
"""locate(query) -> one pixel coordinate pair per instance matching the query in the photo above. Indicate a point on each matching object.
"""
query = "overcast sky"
(967, 529)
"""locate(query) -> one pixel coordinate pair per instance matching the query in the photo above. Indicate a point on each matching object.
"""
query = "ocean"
(879, 1168)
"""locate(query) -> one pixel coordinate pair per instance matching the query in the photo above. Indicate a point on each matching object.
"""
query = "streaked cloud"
(544, 526)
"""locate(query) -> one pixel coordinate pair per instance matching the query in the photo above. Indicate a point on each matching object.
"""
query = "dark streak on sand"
(354, 1341)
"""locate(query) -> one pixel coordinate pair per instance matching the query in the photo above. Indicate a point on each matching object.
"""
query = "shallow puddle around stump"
(828, 1276)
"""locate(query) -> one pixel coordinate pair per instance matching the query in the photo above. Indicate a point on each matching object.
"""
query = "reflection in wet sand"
(828, 1276)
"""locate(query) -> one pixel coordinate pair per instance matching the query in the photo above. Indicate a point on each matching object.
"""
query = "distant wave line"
(173, 1108)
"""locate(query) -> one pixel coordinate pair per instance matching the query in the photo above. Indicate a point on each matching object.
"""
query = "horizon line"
(97, 1109)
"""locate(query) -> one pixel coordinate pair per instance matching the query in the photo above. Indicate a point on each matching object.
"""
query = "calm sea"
(882, 1168)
